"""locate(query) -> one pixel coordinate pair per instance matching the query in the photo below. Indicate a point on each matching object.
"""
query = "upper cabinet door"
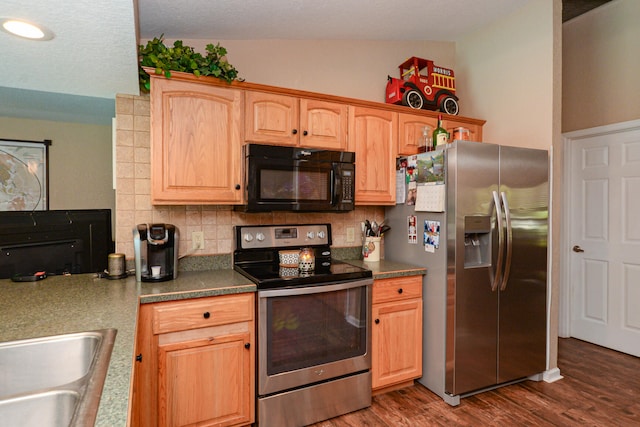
(411, 132)
(271, 118)
(286, 120)
(196, 143)
(323, 124)
(373, 136)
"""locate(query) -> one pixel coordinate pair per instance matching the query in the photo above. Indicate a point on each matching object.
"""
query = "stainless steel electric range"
(313, 323)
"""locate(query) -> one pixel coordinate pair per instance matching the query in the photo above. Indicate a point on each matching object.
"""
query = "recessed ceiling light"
(26, 29)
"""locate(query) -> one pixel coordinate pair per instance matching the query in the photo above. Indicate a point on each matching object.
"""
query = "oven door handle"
(314, 289)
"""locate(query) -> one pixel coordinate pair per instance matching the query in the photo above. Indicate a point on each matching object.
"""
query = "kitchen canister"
(371, 249)
(116, 266)
(289, 258)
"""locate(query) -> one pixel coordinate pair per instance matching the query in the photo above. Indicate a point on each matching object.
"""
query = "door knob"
(577, 248)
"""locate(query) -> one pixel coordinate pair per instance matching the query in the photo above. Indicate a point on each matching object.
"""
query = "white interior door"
(604, 221)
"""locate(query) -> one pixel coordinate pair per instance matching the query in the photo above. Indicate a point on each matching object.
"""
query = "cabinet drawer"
(202, 312)
(397, 288)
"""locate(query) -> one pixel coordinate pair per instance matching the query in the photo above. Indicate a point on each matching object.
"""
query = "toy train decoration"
(423, 85)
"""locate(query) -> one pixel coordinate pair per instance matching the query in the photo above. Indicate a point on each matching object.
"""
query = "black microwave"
(298, 179)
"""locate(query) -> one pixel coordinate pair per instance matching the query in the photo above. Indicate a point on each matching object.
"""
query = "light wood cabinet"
(287, 120)
(373, 135)
(411, 130)
(196, 143)
(411, 127)
(197, 363)
(199, 124)
(396, 357)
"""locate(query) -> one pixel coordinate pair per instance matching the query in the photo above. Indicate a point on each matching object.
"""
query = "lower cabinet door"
(396, 343)
(204, 382)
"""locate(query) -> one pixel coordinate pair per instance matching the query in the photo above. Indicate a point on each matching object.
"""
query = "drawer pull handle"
(400, 290)
(206, 315)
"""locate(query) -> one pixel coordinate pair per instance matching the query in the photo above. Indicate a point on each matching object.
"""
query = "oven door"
(312, 334)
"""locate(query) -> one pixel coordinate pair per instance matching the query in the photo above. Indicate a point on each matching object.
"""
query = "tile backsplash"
(133, 197)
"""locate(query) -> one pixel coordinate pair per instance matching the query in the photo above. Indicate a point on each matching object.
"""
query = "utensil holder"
(371, 249)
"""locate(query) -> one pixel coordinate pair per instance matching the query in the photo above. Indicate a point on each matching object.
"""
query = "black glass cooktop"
(272, 275)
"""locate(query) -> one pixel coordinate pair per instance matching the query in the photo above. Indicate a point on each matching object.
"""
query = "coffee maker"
(156, 251)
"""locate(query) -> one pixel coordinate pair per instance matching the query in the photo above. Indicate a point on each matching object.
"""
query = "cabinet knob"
(377, 321)
(238, 186)
(247, 345)
(206, 315)
(400, 290)
(305, 133)
(139, 357)
(295, 131)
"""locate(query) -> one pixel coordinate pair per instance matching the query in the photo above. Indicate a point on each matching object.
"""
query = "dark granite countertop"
(66, 304)
(387, 269)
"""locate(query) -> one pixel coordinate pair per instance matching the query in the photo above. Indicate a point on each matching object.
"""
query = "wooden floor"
(600, 387)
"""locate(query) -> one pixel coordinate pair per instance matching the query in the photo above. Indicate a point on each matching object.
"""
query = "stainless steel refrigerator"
(485, 291)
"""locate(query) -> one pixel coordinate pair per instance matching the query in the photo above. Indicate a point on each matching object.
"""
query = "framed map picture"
(24, 175)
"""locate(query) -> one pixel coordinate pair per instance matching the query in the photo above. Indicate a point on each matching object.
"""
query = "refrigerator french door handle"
(500, 231)
(507, 263)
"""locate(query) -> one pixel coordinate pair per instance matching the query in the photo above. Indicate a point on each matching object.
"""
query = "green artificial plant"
(183, 58)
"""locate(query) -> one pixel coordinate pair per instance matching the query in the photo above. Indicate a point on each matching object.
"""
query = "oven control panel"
(280, 236)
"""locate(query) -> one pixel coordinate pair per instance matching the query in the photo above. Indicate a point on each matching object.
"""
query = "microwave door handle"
(336, 186)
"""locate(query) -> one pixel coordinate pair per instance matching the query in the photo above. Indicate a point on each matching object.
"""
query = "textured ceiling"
(93, 54)
(75, 76)
(443, 20)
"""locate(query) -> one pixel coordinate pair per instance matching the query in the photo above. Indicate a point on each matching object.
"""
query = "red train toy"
(423, 85)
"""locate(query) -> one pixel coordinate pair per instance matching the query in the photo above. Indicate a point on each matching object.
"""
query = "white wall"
(349, 68)
(601, 64)
(506, 73)
(80, 161)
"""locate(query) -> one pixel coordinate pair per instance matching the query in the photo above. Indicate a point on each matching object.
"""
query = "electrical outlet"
(351, 234)
(197, 240)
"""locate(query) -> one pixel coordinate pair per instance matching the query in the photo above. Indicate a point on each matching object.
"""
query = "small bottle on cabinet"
(440, 135)
(425, 144)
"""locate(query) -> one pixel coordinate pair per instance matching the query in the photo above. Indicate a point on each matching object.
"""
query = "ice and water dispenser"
(477, 241)
(156, 251)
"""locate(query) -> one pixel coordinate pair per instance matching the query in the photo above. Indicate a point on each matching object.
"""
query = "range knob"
(248, 237)
(322, 234)
(310, 234)
(260, 237)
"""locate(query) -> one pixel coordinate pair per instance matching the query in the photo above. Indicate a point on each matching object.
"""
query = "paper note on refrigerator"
(430, 198)
(401, 186)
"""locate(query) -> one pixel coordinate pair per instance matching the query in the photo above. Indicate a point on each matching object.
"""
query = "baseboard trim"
(552, 375)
